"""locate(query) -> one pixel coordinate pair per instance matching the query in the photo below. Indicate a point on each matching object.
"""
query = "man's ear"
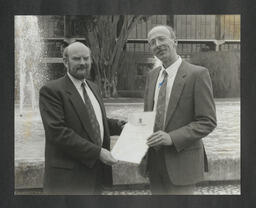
(65, 62)
(176, 43)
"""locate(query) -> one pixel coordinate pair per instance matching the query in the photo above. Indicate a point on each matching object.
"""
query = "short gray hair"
(65, 51)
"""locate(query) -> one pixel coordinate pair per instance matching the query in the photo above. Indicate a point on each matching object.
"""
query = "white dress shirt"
(171, 71)
(94, 101)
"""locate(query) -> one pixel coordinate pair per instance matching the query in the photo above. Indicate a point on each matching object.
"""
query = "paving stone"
(224, 189)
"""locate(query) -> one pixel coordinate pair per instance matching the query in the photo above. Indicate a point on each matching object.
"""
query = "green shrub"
(224, 69)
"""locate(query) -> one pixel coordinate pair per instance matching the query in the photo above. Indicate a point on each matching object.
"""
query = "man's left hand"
(159, 138)
(121, 123)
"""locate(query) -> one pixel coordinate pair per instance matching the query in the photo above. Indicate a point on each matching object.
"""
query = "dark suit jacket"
(72, 162)
(190, 117)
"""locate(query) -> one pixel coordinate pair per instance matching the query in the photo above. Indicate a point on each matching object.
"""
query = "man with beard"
(77, 157)
(181, 94)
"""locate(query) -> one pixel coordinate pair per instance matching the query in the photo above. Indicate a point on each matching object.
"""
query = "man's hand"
(121, 123)
(106, 157)
(159, 138)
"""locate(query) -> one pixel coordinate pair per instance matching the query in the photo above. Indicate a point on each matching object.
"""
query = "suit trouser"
(160, 182)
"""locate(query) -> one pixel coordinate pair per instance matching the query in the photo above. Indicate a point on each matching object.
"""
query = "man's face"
(161, 44)
(78, 61)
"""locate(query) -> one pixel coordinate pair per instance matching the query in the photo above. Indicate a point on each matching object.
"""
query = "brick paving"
(221, 189)
(217, 189)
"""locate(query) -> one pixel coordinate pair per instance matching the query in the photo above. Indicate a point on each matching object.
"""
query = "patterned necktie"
(161, 102)
(92, 116)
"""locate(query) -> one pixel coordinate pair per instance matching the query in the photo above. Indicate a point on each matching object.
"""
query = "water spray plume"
(28, 56)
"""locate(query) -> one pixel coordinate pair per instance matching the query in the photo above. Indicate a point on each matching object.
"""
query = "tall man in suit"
(77, 157)
(181, 94)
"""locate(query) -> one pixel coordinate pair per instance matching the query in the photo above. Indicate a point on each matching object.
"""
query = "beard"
(80, 72)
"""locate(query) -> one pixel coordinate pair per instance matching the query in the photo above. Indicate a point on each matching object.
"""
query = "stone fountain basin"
(222, 146)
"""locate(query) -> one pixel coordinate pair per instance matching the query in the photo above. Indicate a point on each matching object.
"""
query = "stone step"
(219, 170)
(29, 174)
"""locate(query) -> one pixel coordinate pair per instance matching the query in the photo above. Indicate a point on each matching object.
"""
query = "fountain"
(30, 75)
(28, 56)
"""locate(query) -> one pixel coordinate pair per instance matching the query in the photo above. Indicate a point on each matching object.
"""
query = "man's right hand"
(106, 157)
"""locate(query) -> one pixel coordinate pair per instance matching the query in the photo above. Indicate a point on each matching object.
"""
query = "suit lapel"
(79, 106)
(176, 91)
(152, 88)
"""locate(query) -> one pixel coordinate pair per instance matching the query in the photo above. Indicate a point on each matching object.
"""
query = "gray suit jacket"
(190, 117)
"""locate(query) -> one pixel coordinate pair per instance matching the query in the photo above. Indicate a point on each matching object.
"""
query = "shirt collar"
(173, 67)
(75, 81)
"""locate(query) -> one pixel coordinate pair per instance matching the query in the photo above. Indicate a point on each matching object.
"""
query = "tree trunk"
(106, 39)
(114, 92)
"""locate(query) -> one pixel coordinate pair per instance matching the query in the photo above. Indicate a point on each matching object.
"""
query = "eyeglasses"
(159, 40)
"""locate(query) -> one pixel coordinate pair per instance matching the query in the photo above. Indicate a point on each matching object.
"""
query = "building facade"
(195, 33)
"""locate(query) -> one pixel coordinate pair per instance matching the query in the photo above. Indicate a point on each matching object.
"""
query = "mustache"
(82, 67)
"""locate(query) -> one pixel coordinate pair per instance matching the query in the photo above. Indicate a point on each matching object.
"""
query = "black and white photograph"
(127, 104)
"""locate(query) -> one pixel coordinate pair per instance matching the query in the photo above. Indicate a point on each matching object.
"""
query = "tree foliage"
(107, 36)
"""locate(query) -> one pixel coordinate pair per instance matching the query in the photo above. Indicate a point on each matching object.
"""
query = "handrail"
(185, 40)
(144, 40)
(217, 43)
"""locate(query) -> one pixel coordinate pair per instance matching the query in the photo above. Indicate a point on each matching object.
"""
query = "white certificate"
(131, 145)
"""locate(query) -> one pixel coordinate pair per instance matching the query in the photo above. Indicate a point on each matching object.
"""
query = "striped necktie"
(92, 116)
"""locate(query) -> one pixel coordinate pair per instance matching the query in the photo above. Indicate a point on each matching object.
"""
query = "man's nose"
(157, 42)
(82, 61)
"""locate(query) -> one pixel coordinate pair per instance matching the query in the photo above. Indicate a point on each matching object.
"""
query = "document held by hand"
(131, 145)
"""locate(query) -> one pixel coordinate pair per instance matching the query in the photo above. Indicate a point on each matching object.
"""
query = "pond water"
(224, 141)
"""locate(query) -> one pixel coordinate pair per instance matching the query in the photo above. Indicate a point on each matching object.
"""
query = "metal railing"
(212, 43)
